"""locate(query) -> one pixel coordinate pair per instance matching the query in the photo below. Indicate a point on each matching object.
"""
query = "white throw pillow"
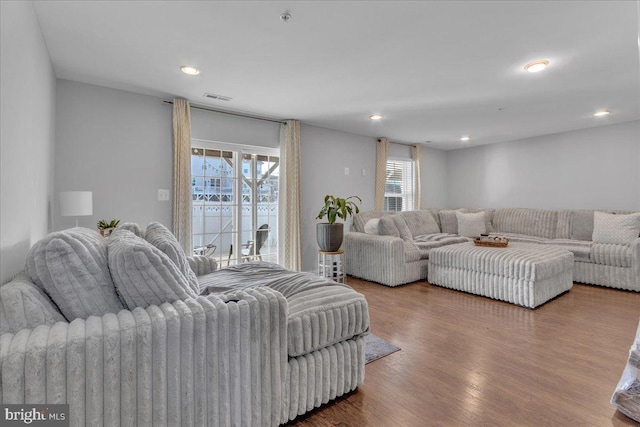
(616, 229)
(471, 224)
(371, 227)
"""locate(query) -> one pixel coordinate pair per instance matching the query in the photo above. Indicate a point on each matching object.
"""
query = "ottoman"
(522, 274)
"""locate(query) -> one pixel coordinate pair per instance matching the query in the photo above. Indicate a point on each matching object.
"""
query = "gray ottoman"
(522, 274)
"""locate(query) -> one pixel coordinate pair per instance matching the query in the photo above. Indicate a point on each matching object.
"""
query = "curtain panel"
(182, 174)
(416, 155)
(382, 153)
(289, 224)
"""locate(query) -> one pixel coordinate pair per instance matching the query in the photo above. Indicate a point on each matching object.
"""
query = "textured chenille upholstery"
(391, 261)
(523, 274)
(144, 275)
(23, 305)
(259, 346)
(71, 267)
(160, 237)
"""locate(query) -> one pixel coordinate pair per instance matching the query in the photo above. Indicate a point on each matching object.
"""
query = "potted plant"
(107, 227)
(330, 233)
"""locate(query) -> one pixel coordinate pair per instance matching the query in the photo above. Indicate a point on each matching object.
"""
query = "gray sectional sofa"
(394, 260)
(129, 331)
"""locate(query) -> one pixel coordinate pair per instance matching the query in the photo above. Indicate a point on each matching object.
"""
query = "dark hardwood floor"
(468, 360)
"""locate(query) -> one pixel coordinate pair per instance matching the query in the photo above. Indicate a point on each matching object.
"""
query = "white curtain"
(416, 154)
(382, 152)
(289, 229)
(182, 173)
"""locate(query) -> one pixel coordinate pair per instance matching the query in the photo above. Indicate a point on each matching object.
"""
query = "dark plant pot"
(329, 236)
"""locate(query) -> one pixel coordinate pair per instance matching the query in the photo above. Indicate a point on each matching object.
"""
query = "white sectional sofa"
(130, 331)
(394, 260)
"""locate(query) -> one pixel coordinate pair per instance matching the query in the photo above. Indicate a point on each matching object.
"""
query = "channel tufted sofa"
(129, 331)
(394, 260)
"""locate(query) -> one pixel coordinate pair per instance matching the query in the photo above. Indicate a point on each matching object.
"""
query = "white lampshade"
(76, 203)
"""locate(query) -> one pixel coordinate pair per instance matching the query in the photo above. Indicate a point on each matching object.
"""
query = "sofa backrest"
(580, 223)
(532, 222)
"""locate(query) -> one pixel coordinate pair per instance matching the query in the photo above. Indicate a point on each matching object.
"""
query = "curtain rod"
(401, 143)
(248, 116)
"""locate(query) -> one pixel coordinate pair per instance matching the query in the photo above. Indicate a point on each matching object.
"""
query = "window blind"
(399, 186)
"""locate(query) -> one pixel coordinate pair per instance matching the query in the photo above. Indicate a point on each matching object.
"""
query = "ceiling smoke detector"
(217, 97)
(285, 17)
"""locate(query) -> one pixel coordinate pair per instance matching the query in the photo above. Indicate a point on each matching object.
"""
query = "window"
(399, 188)
(234, 202)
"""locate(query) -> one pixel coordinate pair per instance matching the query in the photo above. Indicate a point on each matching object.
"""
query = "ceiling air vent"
(217, 97)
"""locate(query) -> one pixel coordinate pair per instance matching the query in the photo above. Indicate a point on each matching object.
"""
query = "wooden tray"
(491, 243)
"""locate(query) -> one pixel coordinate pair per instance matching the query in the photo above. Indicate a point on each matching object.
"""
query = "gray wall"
(27, 111)
(117, 144)
(590, 168)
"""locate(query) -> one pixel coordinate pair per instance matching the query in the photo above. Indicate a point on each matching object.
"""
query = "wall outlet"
(163, 195)
(346, 171)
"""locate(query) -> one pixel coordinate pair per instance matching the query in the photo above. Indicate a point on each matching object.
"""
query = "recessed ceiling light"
(192, 71)
(534, 67)
(465, 138)
(375, 117)
(601, 113)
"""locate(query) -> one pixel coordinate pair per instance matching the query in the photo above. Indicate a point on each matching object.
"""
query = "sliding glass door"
(235, 202)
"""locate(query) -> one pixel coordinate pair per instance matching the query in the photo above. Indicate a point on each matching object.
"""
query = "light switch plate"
(163, 195)
(346, 171)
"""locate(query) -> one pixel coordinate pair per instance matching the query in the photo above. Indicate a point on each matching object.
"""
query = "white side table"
(331, 265)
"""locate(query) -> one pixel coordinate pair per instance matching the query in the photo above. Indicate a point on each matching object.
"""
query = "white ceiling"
(434, 70)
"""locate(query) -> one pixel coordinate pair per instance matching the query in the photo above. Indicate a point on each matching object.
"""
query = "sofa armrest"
(214, 360)
(375, 258)
(201, 264)
(635, 258)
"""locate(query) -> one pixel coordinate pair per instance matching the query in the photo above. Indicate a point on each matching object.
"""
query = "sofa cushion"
(321, 311)
(143, 274)
(71, 267)
(611, 254)
(582, 225)
(403, 228)
(387, 227)
(371, 227)
(581, 250)
(160, 237)
(531, 222)
(427, 242)
(133, 227)
(471, 224)
(615, 229)
(448, 221)
(420, 222)
(24, 306)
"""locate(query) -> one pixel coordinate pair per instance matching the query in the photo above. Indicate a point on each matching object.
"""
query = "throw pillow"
(615, 229)
(71, 267)
(403, 227)
(371, 227)
(143, 274)
(582, 225)
(387, 227)
(132, 227)
(471, 224)
(448, 221)
(420, 223)
(160, 237)
(24, 306)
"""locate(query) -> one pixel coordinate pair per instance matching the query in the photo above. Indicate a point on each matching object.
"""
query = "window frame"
(407, 198)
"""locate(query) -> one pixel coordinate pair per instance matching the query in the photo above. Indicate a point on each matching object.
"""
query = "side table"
(331, 265)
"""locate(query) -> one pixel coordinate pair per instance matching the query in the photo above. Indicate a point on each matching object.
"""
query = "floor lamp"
(76, 203)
